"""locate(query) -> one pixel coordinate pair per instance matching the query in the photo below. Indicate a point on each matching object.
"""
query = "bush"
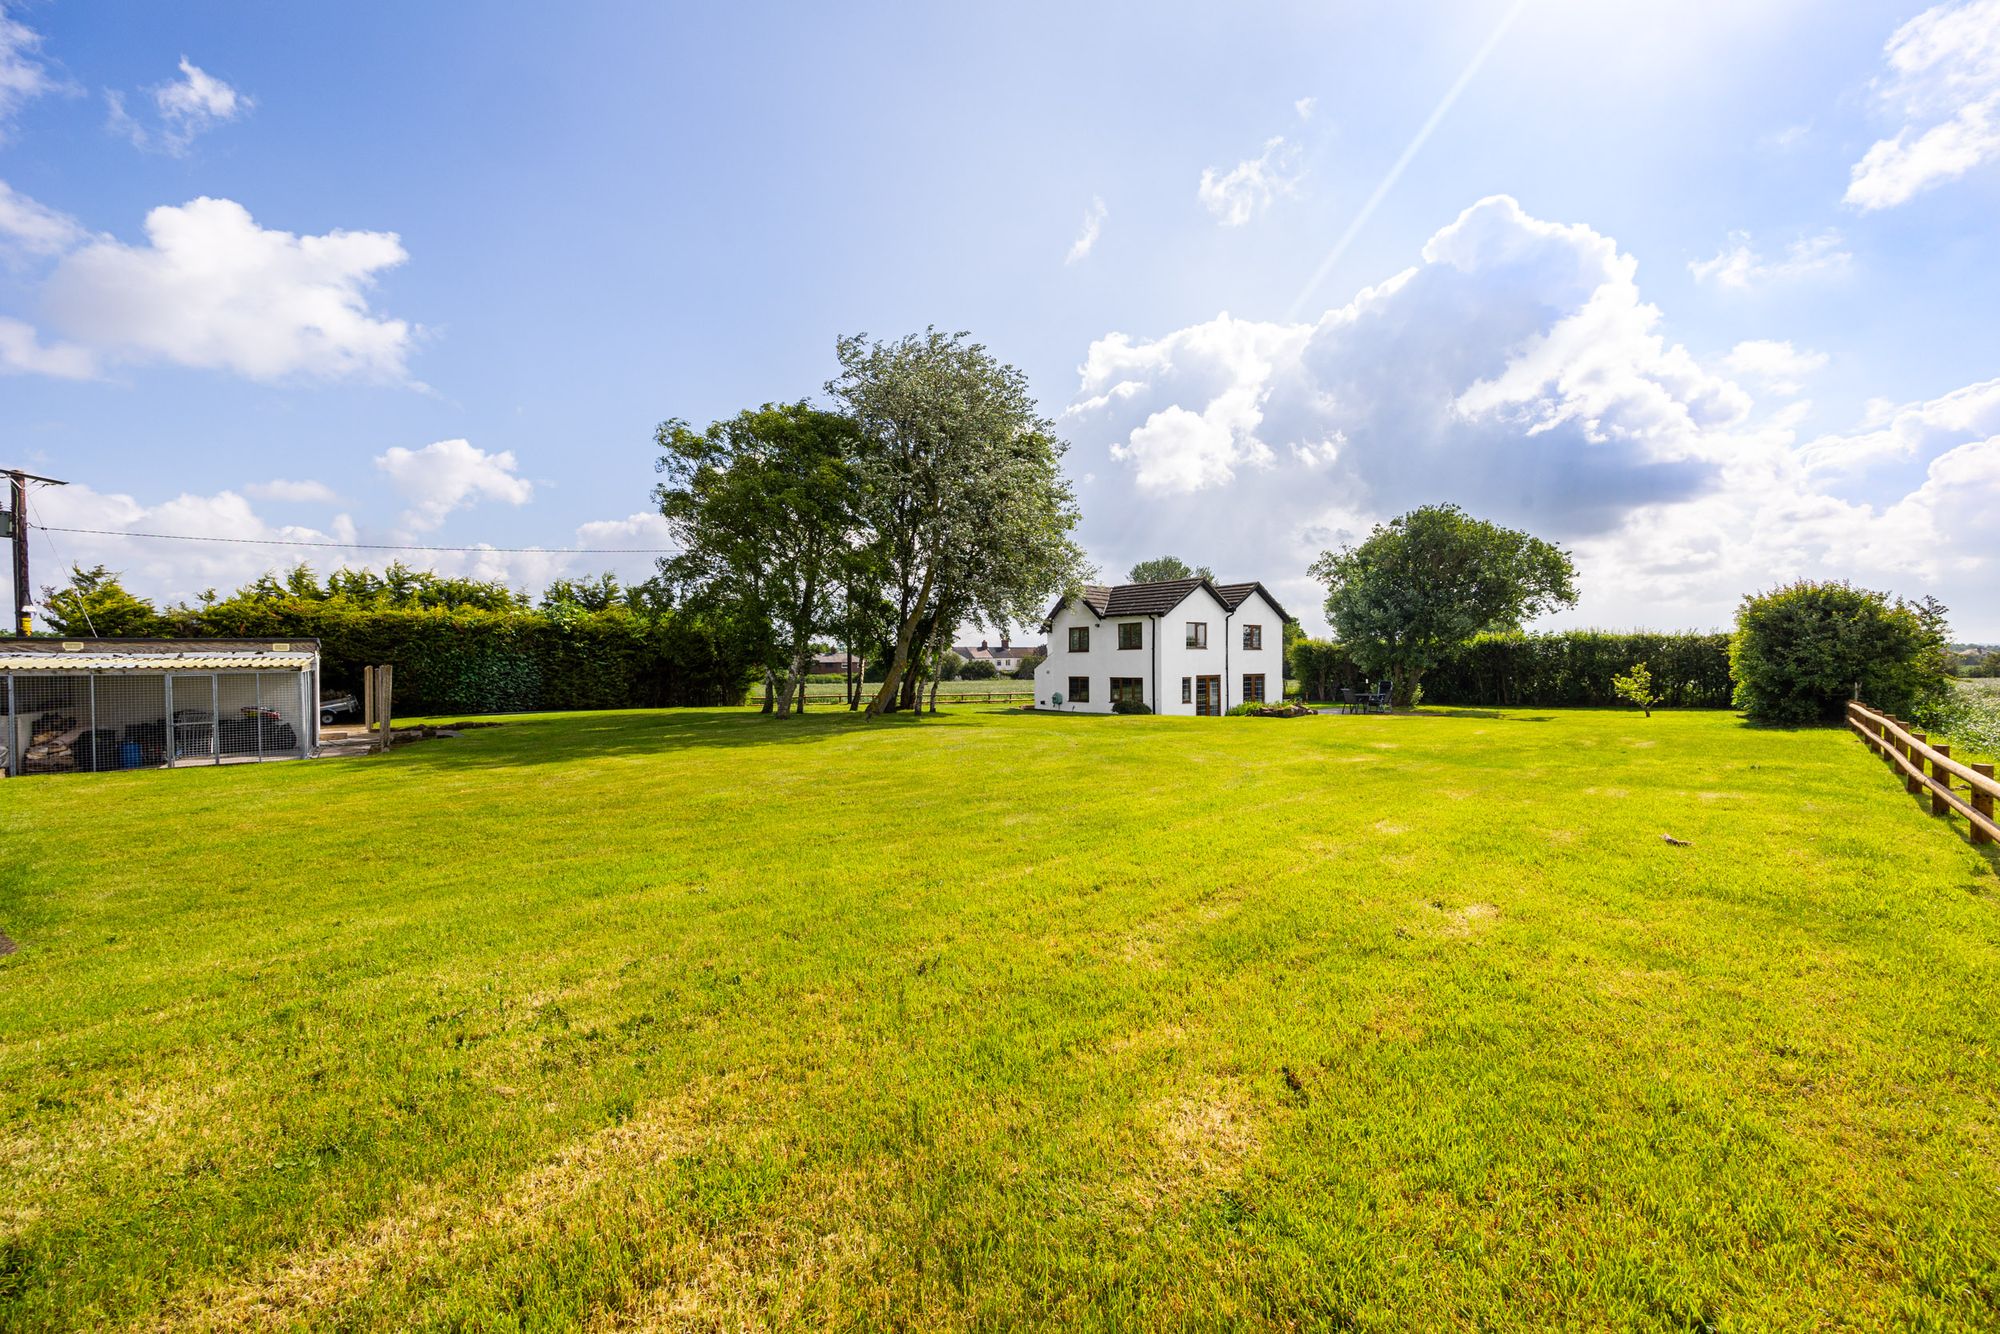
(1130, 706)
(1802, 651)
(979, 669)
(1025, 669)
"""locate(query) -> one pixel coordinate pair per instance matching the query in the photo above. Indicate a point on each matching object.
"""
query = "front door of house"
(1208, 696)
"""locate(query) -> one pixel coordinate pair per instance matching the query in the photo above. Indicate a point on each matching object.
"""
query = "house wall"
(1177, 660)
(1052, 677)
(1270, 660)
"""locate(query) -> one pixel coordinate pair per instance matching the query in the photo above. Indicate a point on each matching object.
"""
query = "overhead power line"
(366, 546)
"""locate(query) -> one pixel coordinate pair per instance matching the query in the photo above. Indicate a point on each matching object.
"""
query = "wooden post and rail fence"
(1928, 768)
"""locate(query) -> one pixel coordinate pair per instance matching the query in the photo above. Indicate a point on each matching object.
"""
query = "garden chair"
(1348, 704)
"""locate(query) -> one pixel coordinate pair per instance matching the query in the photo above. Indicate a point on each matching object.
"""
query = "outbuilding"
(90, 705)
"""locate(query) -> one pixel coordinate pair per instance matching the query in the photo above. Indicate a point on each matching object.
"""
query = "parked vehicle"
(332, 706)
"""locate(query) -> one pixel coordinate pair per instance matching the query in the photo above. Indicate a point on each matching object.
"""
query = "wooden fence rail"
(1911, 752)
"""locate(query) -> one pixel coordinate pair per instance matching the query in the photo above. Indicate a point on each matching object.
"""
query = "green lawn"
(700, 1019)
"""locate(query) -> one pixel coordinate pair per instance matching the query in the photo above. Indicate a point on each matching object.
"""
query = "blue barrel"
(128, 755)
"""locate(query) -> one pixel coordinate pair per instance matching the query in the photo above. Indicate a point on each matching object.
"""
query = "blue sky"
(1702, 290)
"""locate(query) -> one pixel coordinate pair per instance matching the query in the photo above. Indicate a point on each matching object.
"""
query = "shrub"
(979, 669)
(1131, 706)
(1800, 652)
(1025, 670)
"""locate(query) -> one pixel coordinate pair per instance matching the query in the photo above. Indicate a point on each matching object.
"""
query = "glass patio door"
(1208, 696)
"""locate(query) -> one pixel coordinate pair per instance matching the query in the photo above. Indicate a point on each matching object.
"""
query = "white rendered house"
(1186, 646)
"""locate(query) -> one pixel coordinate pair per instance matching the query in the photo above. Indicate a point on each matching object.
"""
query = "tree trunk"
(934, 690)
(905, 636)
(1403, 683)
(770, 690)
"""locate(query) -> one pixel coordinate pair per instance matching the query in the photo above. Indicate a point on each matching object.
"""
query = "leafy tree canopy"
(1166, 567)
(1425, 583)
(96, 604)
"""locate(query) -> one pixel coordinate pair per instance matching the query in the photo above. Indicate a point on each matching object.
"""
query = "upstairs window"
(1253, 636)
(1079, 639)
(1197, 634)
(1131, 634)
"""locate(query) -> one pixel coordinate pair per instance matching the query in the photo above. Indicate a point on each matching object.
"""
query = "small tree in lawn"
(1423, 584)
(1636, 687)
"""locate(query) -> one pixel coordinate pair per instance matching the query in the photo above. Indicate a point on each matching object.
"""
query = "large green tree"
(765, 508)
(1166, 567)
(963, 490)
(1425, 583)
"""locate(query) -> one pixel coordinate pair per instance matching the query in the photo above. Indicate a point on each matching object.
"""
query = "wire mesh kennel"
(87, 706)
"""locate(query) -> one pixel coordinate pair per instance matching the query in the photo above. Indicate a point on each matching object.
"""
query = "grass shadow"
(530, 741)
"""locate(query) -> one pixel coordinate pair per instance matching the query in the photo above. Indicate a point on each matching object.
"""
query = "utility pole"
(17, 524)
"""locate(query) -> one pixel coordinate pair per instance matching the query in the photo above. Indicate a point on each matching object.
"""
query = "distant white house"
(1185, 646)
(1005, 658)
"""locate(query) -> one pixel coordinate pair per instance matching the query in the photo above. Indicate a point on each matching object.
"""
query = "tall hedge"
(469, 660)
(1575, 667)
(1568, 667)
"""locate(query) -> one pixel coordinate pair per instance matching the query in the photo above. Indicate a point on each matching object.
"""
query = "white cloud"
(647, 528)
(1778, 364)
(1888, 432)
(450, 475)
(1518, 370)
(1248, 188)
(1304, 107)
(23, 352)
(22, 78)
(172, 571)
(1944, 83)
(30, 229)
(1086, 240)
(212, 289)
(1739, 266)
(295, 492)
(187, 108)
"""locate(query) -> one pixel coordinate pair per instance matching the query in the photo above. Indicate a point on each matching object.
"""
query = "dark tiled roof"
(1160, 597)
(1232, 596)
(1153, 599)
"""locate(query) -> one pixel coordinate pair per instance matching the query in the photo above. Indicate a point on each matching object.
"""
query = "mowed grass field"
(697, 1019)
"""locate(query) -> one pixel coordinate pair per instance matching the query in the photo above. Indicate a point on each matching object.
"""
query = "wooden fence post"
(385, 680)
(1915, 778)
(1940, 778)
(367, 699)
(1983, 803)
